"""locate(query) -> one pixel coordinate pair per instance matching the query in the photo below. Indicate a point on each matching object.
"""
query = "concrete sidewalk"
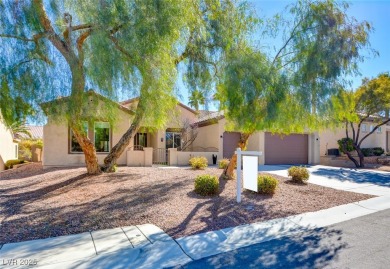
(141, 246)
(147, 246)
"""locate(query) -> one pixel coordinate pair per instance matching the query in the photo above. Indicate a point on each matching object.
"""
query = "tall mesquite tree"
(370, 103)
(54, 48)
(290, 90)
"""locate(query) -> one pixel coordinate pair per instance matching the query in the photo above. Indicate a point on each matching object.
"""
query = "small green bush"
(267, 184)
(206, 185)
(198, 162)
(298, 174)
(377, 151)
(346, 143)
(222, 164)
(367, 152)
(10, 163)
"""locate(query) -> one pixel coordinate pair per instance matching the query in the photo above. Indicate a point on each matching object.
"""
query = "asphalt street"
(359, 243)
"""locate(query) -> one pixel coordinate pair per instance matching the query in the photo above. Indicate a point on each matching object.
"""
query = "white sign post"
(250, 172)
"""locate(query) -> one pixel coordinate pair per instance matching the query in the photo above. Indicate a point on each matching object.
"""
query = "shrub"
(298, 174)
(267, 184)
(347, 143)
(378, 151)
(222, 164)
(25, 148)
(206, 185)
(367, 152)
(198, 162)
(10, 163)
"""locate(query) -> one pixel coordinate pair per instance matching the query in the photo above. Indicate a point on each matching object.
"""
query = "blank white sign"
(250, 171)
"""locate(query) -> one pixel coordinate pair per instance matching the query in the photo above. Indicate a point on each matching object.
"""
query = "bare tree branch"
(18, 37)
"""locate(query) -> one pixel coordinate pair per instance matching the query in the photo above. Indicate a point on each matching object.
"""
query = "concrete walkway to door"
(347, 179)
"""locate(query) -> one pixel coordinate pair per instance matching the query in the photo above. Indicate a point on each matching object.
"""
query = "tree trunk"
(349, 155)
(89, 151)
(228, 172)
(361, 156)
(118, 149)
(76, 118)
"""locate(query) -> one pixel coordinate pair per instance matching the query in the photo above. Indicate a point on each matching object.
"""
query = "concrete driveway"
(348, 179)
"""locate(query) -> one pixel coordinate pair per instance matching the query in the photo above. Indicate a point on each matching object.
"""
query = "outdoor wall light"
(162, 139)
(221, 136)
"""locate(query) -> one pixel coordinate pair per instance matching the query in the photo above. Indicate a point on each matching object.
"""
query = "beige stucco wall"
(8, 149)
(328, 139)
(56, 141)
(181, 158)
(208, 137)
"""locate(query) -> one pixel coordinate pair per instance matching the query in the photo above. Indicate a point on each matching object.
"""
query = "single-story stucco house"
(8, 149)
(163, 146)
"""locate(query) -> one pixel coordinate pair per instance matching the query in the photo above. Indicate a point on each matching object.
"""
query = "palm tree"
(196, 98)
(18, 128)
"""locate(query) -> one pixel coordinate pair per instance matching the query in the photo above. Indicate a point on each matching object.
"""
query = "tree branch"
(119, 47)
(17, 37)
(359, 125)
(49, 30)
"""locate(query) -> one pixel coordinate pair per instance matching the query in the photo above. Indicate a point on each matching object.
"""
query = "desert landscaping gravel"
(37, 203)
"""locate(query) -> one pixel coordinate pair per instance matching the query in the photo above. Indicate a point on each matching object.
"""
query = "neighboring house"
(380, 138)
(8, 149)
(160, 146)
(35, 131)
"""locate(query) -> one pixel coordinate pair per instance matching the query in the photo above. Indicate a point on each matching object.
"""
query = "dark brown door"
(289, 149)
(230, 142)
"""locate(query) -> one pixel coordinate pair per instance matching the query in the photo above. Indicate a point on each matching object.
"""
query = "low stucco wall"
(182, 158)
(8, 149)
(137, 158)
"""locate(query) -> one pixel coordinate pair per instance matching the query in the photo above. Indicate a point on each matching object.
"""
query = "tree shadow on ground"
(357, 176)
(115, 209)
(314, 248)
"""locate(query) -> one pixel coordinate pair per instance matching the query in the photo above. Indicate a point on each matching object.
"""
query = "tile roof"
(212, 115)
(36, 132)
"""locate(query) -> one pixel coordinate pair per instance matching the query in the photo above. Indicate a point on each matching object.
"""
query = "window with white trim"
(379, 130)
(364, 128)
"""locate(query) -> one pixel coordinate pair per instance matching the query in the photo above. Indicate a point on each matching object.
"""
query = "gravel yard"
(36, 203)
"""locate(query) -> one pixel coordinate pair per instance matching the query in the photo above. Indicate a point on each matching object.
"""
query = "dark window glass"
(74, 145)
(140, 141)
(102, 136)
(173, 140)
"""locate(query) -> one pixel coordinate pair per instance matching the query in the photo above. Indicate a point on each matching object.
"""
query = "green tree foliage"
(61, 48)
(371, 102)
(290, 91)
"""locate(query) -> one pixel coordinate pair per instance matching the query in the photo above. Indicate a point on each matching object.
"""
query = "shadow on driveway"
(357, 176)
(312, 249)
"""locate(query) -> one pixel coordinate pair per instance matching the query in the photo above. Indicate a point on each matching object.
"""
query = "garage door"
(230, 141)
(290, 149)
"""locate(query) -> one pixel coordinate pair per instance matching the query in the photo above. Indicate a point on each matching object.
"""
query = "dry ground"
(36, 203)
